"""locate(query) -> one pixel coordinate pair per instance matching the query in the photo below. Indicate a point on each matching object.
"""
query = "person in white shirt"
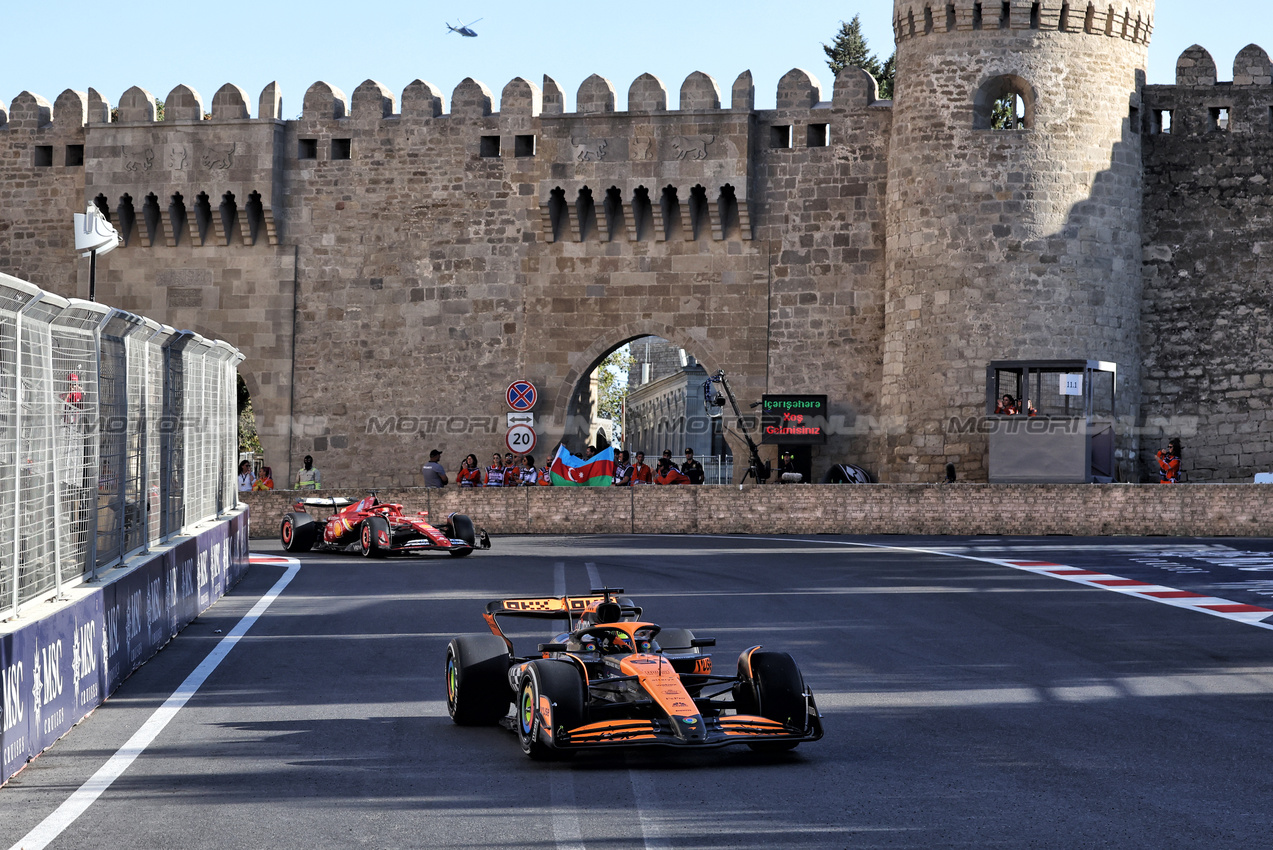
(245, 477)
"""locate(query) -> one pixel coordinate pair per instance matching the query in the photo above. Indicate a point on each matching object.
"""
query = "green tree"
(612, 384)
(849, 49)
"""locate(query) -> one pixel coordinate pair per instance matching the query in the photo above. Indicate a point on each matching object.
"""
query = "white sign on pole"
(1072, 384)
(521, 439)
(521, 419)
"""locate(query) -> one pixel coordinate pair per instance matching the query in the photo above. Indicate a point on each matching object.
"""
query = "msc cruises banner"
(56, 670)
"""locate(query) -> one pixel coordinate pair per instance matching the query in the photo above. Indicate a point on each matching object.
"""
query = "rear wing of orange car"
(568, 608)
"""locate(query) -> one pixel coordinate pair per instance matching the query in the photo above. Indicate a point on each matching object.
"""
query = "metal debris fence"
(116, 433)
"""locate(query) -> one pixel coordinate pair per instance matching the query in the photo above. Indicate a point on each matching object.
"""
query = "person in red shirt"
(469, 475)
(512, 471)
(495, 472)
(1169, 463)
(641, 474)
(669, 474)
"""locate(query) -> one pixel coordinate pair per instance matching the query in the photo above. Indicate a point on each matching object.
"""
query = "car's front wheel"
(774, 690)
(373, 530)
(557, 687)
(477, 690)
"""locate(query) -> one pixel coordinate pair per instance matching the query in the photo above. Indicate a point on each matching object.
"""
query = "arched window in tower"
(127, 218)
(557, 213)
(202, 216)
(229, 216)
(1004, 103)
(150, 215)
(177, 220)
(585, 214)
(613, 209)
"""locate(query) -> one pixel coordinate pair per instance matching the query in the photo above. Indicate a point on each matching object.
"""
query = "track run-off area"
(976, 692)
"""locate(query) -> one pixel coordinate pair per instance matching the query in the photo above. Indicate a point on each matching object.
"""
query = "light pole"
(94, 235)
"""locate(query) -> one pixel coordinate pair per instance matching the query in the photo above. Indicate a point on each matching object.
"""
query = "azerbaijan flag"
(571, 471)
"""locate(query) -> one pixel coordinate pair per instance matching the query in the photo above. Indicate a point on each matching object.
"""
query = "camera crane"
(713, 401)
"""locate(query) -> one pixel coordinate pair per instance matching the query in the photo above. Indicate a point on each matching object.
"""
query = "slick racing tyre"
(370, 533)
(462, 529)
(298, 531)
(774, 690)
(477, 691)
(560, 684)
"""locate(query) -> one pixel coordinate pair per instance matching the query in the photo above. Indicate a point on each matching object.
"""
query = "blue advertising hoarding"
(57, 669)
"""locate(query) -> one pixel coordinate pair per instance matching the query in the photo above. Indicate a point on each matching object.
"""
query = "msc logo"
(11, 695)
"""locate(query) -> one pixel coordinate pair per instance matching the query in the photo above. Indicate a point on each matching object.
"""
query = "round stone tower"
(1012, 233)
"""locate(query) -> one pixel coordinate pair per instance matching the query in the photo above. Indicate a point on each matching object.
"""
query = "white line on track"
(594, 576)
(1250, 615)
(64, 815)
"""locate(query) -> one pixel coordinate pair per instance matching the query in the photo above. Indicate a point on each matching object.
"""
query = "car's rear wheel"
(298, 531)
(774, 690)
(561, 685)
(369, 535)
(477, 690)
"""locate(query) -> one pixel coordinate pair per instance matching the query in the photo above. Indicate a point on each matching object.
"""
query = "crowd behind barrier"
(116, 433)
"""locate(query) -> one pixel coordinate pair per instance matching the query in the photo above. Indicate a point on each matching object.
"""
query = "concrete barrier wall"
(1225, 510)
(57, 667)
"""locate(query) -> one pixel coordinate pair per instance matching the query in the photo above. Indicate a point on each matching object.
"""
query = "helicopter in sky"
(465, 29)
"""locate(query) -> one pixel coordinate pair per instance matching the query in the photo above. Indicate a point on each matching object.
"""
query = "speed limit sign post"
(521, 439)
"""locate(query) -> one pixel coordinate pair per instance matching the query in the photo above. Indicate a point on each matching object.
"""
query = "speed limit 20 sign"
(521, 439)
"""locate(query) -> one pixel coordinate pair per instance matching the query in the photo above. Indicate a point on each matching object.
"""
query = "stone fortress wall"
(389, 267)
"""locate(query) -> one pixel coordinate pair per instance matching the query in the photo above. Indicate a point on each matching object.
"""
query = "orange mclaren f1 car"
(614, 680)
(375, 529)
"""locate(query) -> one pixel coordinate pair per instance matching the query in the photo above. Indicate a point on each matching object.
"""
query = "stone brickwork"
(1004, 244)
(390, 264)
(1236, 510)
(1208, 313)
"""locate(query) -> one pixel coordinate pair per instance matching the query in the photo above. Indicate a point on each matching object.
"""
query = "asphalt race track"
(1050, 692)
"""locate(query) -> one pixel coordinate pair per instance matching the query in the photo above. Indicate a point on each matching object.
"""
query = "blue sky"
(49, 47)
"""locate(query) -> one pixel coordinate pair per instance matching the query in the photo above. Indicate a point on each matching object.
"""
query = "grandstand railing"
(116, 434)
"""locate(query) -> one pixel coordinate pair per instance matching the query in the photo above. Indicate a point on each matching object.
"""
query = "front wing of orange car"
(690, 731)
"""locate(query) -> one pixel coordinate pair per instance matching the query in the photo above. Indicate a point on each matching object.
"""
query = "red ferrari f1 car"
(376, 529)
(613, 680)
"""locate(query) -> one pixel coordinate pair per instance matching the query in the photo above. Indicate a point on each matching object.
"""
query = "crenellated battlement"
(1130, 20)
(372, 101)
(1200, 104)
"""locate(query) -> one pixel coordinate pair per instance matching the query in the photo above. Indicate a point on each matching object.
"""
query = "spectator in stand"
(512, 470)
(588, 452)
(1007, 406)
(495, 472)
(545, 476)
(667, 456)
(1169, 462)
(309, 478)
(469, 475)
(692, 468)
(622, 471)
(641, 474)
(264, 481)
(434, 475)
(668, 473)
(529, 476)
(245, 476)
